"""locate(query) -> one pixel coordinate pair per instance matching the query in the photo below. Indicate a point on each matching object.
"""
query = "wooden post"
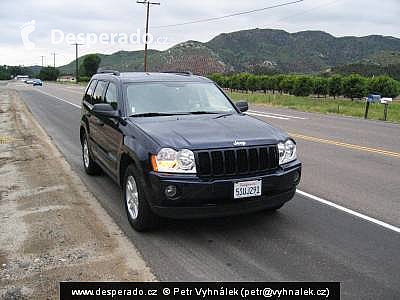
(366, 110)
(385, 112)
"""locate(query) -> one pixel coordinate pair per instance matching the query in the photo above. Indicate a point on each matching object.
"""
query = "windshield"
(146, 99)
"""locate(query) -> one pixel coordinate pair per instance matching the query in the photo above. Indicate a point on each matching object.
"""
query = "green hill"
(261, 50)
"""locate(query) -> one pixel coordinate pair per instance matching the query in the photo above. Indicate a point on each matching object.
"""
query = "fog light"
(296, 176)
(170, 191)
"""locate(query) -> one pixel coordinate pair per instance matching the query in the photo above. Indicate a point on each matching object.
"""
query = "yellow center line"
(345, 145)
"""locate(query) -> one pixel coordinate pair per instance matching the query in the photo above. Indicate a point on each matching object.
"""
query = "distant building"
(21, 77)
(66, 78)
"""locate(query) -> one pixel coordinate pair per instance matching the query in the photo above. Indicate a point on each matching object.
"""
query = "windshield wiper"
(224, 115)
(158, 114)
(203, 112)
(155, 114)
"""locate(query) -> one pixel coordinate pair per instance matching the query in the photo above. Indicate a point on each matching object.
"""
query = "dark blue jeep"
(179, 148)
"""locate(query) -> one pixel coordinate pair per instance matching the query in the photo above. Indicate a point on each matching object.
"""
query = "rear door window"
(111, 95)
(99, 92)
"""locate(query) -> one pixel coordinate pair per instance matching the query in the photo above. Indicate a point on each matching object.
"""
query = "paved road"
(305, 241)
(352, 162)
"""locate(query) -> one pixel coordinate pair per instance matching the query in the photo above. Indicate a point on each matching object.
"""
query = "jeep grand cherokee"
(179, 148)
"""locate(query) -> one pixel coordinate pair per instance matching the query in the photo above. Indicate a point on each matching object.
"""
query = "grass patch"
(341, 106)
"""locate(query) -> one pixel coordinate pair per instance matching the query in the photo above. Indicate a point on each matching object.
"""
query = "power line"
(147, 3)
(230, 15)
(309, 10)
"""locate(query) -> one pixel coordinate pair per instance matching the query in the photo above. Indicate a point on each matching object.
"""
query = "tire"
(90, 166)
(137, 207)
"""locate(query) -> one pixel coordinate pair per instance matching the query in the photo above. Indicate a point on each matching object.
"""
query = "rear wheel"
(90, 166)
(137, 207)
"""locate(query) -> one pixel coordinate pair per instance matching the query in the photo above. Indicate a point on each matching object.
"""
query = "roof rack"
(185, 73)
(100, 71)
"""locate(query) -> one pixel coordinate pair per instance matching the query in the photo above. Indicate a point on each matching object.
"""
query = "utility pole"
(42, 56)
(76, 62)
(147, 3)
(54, 57)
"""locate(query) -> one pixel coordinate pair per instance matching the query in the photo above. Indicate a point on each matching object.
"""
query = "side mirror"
(105, 110)
(242, 105)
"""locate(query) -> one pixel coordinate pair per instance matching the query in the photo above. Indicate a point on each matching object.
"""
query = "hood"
(207, 131)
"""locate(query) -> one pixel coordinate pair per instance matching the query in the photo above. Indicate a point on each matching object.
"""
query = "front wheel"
(137, 207)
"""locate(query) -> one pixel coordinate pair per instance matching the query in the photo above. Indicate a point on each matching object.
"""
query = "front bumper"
(213, 197)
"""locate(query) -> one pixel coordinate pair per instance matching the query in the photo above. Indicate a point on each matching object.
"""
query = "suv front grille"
(236, 161)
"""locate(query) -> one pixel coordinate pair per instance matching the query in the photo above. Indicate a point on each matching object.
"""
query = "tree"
(384, 85)
(4, 73)
(274, 84)
(354, 86)
(49, 73)
(8, 72)
(287, 84)
(253, 82)
(320, 86)
(265, 83)
(303, 86)
(82, 72)
(243, 81)
(278, 80)
(235, 82)
(90, 64)
(229, 82)
(335, 85)
(219, 79)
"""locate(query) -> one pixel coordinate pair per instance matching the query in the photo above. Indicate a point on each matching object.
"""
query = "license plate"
(246, 189)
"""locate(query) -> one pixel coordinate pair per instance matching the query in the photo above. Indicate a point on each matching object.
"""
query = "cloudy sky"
(92, 18)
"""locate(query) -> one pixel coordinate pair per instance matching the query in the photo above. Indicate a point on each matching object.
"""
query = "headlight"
(287, 152)
(170, 161)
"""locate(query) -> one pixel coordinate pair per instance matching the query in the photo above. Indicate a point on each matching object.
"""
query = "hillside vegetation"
(265, 51)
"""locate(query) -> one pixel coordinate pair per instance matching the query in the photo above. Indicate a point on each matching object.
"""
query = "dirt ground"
(52, 228)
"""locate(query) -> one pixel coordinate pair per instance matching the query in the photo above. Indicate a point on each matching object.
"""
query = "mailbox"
(374, 98)
(386, 100)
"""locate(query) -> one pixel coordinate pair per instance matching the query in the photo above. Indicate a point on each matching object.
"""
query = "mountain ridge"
(260, 51)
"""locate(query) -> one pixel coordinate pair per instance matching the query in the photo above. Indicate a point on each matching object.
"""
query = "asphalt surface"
(306, 240)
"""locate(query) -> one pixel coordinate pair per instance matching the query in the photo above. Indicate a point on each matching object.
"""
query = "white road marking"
(349, 211)
(266, 116)
(279, 115)
(326, 202)
(67, 89)
(58, 98)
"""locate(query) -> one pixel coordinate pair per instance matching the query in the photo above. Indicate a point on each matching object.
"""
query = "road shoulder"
(52, 228)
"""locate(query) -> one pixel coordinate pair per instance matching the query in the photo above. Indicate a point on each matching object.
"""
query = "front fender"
(137, 153)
